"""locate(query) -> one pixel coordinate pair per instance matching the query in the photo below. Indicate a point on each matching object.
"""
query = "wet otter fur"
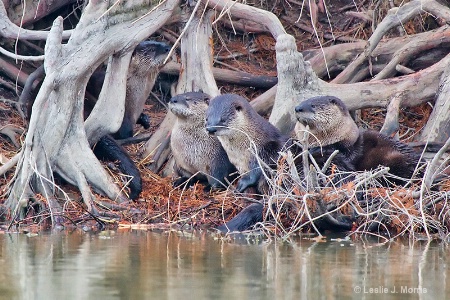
(107, 149)
(332, 128)
(240, 128)
(196, 153)
(237, 126)
(245, 219)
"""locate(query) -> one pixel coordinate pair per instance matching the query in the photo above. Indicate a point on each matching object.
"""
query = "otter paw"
(144, 120)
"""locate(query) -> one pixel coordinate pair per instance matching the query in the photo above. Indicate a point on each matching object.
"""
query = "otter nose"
(173, 100)
(299, 108)
(211, 129)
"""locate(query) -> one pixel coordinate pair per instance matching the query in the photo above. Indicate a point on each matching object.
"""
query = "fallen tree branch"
(21, 57)
(229, 76)
(242, 11)
(411, 50)
(395, 18)
(26, 12)
(12, 72)
(9, 164)
(297, 82)
(11, 30)
(338, 57)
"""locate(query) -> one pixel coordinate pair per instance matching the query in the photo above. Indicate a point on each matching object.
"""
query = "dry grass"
(364, 204)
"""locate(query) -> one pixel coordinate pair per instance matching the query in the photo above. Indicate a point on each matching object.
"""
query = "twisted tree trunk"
(58, 139)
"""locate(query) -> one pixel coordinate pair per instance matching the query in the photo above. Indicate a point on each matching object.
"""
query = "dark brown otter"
(244, 133)
(197, 154)
(332, 128)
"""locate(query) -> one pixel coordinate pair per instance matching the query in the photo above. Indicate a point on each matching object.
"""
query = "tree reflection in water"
(174, 265)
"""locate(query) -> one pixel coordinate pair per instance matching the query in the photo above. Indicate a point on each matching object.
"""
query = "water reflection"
(149, 265)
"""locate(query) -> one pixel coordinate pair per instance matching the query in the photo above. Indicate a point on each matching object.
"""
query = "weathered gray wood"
(26, 12)
(57, 138)
(297, 81)
(415, 89)
(10, 30)
(396, 17)
(246, 12)
(437, 128)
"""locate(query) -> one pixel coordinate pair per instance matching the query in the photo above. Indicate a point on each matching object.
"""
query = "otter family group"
(214, 139)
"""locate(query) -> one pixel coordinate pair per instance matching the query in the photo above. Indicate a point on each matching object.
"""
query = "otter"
(146, 61)
(237, 126)
(245, 219)
(332, 128)
(195, 152)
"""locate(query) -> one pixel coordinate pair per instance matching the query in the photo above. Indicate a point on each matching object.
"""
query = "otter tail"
(108, 149)
(244, 220)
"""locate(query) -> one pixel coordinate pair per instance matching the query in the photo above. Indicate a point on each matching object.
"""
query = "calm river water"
(174, 265)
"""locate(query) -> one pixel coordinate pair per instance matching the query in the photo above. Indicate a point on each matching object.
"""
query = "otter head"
(328, 119)
(148, 56)
(190, 106)
(225, 114)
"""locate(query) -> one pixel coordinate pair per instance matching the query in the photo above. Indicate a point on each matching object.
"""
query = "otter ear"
(238, 107)
(333, 101)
